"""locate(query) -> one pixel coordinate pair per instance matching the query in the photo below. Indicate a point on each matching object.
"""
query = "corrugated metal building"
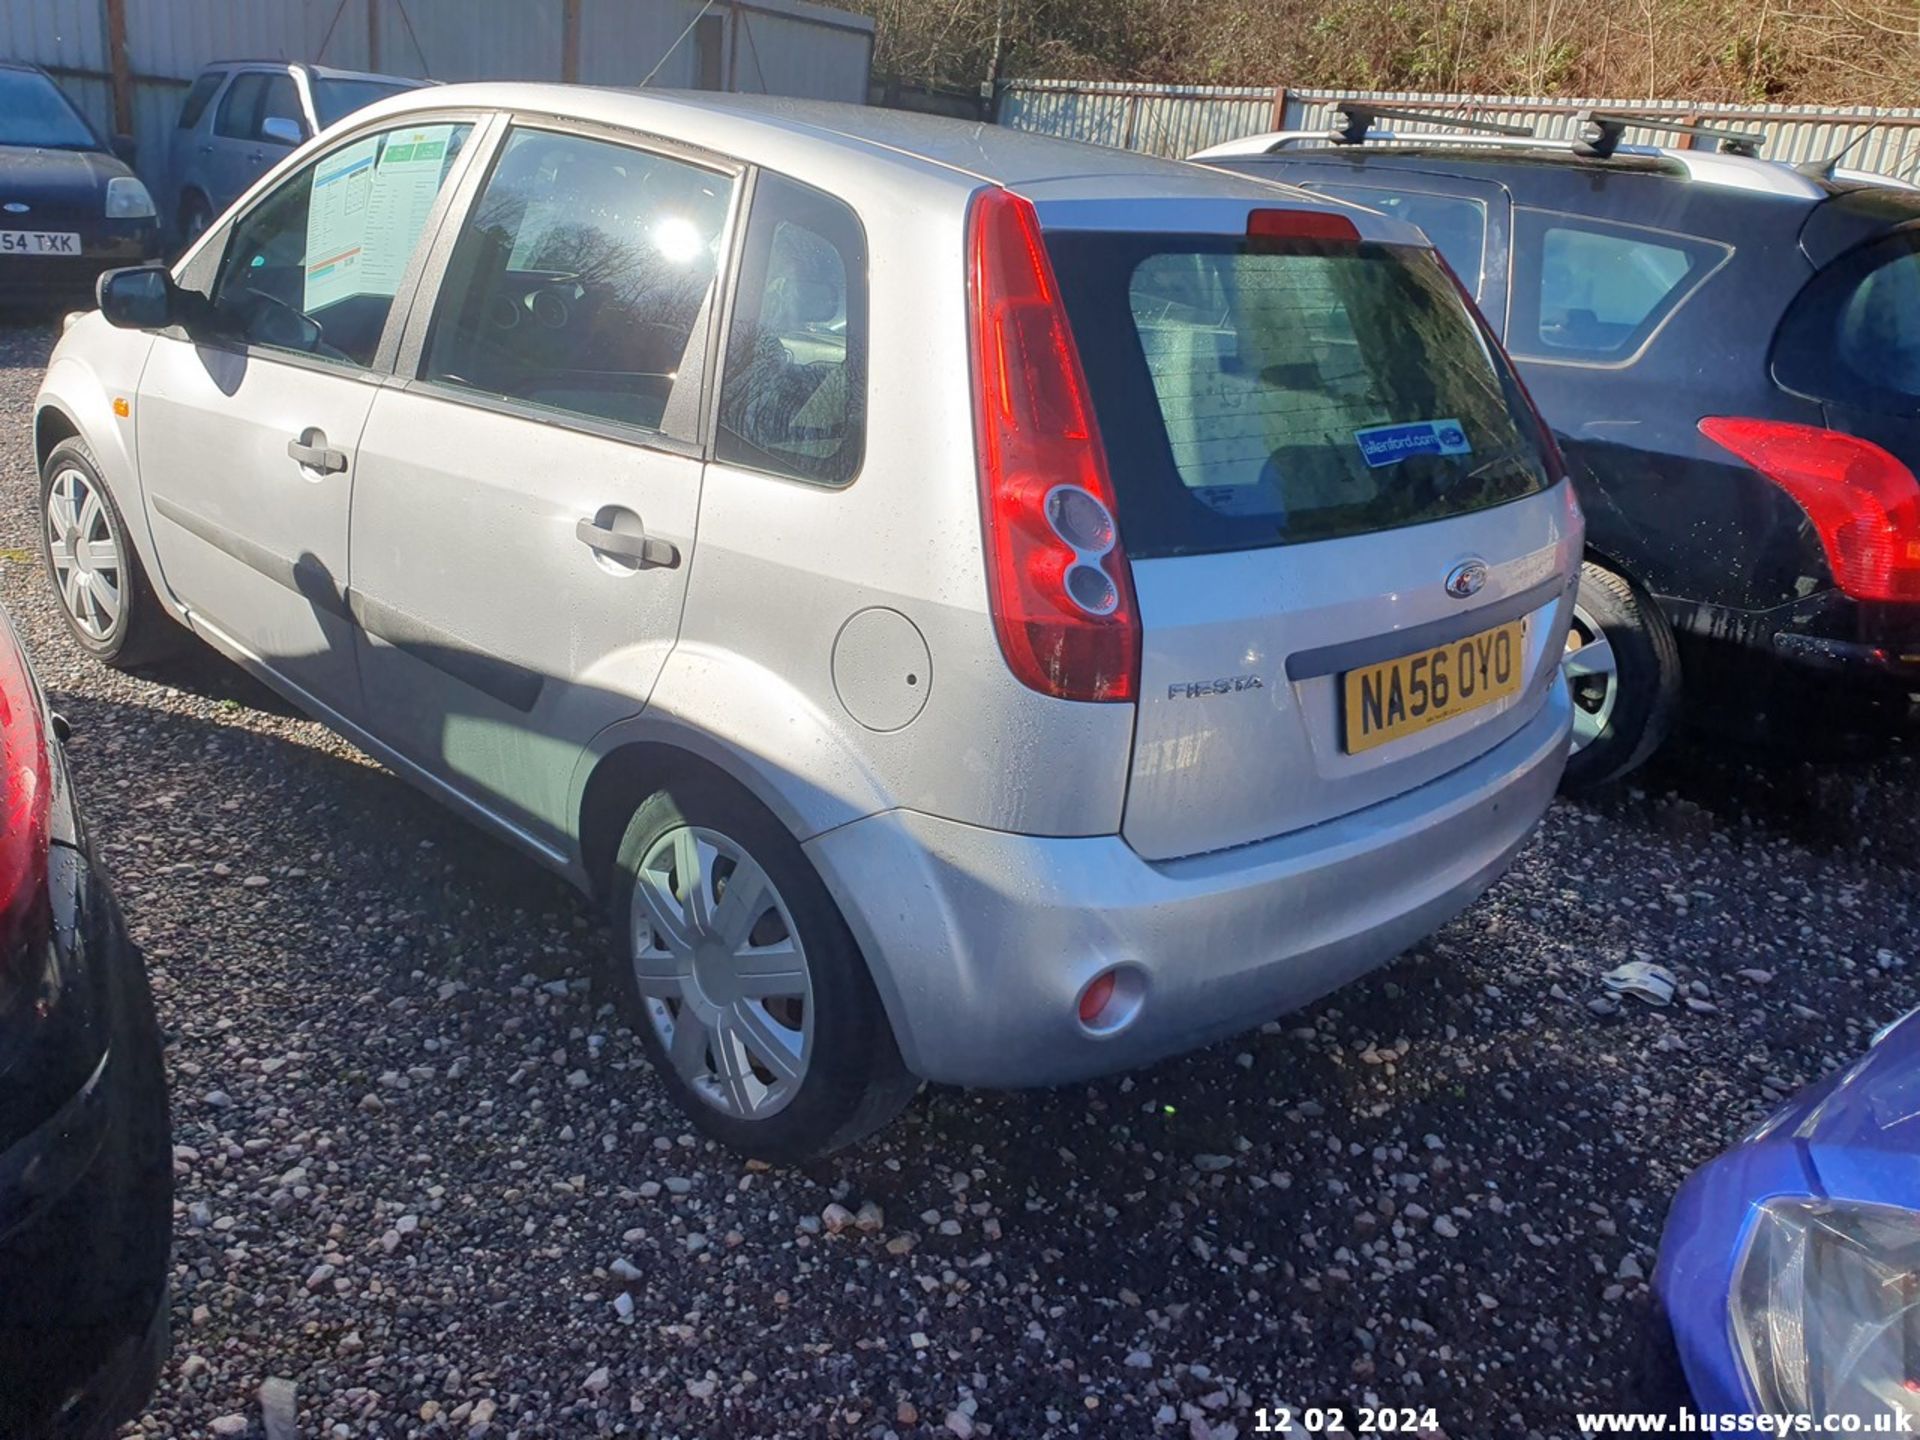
(1179, 119)
(772, 47)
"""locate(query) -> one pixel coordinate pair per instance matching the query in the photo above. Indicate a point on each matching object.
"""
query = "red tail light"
(1864, 504)
(26, 797)
(1057, 578)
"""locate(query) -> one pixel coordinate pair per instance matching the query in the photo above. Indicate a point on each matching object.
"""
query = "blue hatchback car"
(1790, 1268)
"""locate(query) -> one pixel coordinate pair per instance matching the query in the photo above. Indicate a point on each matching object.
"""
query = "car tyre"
(1623, 667)
(759, 1014)
(101, 586)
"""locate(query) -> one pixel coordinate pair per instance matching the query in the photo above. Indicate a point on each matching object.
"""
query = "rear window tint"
(1271, 393)
(1850, 337)
(1588, 291)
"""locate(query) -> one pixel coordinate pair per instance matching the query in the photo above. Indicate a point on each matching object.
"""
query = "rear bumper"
(1851, 642)
(981, 941)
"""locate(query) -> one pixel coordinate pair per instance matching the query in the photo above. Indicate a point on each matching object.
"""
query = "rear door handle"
(317, 457)
(642, 549)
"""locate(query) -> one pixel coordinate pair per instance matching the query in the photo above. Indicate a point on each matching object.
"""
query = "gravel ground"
(424, 1175)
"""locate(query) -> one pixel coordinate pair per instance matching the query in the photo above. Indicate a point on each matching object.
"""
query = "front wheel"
(105, 597)
(1622, 666)
(746, 986)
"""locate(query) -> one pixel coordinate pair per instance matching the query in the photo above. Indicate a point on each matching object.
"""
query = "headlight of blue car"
(1789, 1273)
(1826, 1309)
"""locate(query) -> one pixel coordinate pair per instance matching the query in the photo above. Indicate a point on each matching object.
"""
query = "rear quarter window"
(1851, 336)
(1256, 393)
(1589, 292)
(793, 395)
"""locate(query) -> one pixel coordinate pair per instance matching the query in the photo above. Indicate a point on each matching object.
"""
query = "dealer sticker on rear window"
(1390, 444)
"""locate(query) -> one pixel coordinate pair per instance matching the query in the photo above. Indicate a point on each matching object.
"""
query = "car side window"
(1590, 291)
(1456, 226)
(580, 278)
(315, 265)
(195, 105)
(793, 398)
(1849, 338)
(239, 109)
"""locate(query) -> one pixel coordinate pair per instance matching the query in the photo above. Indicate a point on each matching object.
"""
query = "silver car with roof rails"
(975, 608)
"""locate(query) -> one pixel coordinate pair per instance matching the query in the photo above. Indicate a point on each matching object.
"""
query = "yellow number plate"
(1404, 696)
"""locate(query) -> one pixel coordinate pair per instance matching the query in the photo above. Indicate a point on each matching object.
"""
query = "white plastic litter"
(1654, 984)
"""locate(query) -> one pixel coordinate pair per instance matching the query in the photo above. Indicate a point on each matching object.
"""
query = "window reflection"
(580, 277)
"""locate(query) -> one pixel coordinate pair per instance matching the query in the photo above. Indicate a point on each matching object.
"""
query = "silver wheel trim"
(1592, 675)
(722, 972)
(85, 553)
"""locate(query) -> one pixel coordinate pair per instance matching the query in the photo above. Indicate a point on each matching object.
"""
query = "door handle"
(641, 549)
(317, 457)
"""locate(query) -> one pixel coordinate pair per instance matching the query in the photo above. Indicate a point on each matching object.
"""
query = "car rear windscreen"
(1256, 392)
(336, 99)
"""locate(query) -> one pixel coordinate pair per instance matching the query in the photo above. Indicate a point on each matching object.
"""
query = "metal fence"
(128, 62)
(1179, 119)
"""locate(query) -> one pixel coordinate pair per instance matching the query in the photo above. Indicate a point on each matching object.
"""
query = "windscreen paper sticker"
(368, 207)
(1390, 444)
(336, 223)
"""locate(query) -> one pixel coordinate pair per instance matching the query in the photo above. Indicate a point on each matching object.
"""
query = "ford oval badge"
(1466, 578)
(16, 207)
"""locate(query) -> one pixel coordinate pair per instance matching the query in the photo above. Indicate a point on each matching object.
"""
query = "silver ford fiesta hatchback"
(976, 608)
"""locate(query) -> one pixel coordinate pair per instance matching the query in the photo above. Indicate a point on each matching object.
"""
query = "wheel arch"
(619, 783)
(51, 425)
(1609, 560)
(75, 403)
(635, 759)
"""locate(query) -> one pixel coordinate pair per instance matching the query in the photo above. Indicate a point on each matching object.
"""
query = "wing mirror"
(142, 297)
(281, 130)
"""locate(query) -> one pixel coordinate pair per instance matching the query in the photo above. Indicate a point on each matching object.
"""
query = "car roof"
(1488, 154)
(319, 72)
(758, 127)
(1727, 171)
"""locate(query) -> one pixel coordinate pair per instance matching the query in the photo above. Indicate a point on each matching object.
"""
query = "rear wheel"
(1623, 669)
(745, 984)
(109, 607)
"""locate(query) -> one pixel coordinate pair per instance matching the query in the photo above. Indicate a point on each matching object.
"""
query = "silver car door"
(247, 426)
(524, 514)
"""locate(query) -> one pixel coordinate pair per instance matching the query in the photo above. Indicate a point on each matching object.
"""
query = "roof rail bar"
(1601, 132)
(1356, 120)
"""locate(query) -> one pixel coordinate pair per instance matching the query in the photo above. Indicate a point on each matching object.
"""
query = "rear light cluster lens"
(1058, 580)
(1863, 503)
(26, 800)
